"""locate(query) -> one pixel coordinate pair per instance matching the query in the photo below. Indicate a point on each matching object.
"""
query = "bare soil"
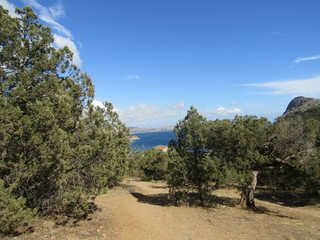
(140, 210)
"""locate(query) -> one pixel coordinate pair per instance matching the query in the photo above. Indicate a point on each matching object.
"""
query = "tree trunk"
(247, 195)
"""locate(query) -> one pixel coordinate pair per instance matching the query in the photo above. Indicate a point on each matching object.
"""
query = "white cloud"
(97, 103)
(62, 35)
(302, 59)
(305, 87)
(50, 16)
(10, 7)
(100, 104)
(152, 115)
(133, 77)
(61, 41)
(221, 111)
(140, 112)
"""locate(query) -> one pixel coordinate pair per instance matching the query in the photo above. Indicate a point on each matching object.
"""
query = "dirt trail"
(139, 211)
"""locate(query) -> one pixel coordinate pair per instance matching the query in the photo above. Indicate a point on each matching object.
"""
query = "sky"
(153, 59)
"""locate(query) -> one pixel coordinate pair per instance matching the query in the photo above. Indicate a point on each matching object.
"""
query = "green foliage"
(57, 149)
(282, 178)
(149, 165)
(154, 165)
(285, 154)
(240, 144)
(177, 178)
(13, 211)
(312, 179)
(191, 168)
(295, 142)
(134, 159)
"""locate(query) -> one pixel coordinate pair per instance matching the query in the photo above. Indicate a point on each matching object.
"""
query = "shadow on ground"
(289, 199)
(158, 187)
(162, 199)
(264, 210)
(227, 201)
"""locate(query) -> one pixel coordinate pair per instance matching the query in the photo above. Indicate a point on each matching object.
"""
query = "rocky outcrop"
(301, 104)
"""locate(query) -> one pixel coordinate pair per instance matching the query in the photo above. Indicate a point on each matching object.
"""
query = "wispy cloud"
(225, 112)
(305, 87)
(57, 10)
(302, 59)
(50, 15)
(176, 105)
(10, 7)
(133, 76)
(62, 36)
(234, 103)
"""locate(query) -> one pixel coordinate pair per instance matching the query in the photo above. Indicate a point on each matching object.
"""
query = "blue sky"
(153, 59)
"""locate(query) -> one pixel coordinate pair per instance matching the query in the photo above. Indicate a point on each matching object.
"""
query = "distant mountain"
(304, 107)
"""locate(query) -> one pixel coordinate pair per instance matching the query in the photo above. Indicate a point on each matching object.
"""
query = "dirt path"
(140, 211)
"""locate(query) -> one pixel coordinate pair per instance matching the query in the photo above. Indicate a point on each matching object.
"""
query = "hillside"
(304, 107)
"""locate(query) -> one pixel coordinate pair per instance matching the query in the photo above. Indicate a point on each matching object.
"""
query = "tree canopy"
(208, 154)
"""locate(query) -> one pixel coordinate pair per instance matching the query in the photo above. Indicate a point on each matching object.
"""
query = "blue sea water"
(152, 139)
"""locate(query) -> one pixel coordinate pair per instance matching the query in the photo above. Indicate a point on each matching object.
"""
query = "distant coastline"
(140, 130)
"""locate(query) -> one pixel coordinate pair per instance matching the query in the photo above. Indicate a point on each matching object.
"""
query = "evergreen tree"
(295, 143)
(56, 148)
(153, 165)
(191, 169)
(239, 144)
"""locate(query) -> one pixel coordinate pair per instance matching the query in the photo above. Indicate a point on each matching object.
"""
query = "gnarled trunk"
(247, 195)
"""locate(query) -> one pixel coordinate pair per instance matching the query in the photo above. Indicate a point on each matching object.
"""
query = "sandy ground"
(140, 211)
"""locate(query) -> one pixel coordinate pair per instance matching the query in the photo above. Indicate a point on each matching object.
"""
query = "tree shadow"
(226, 201)
(160, 199)
(289, 199)
(158, 187)
(264, 210)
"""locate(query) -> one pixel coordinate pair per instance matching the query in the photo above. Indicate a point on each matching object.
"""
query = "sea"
(148, 140)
